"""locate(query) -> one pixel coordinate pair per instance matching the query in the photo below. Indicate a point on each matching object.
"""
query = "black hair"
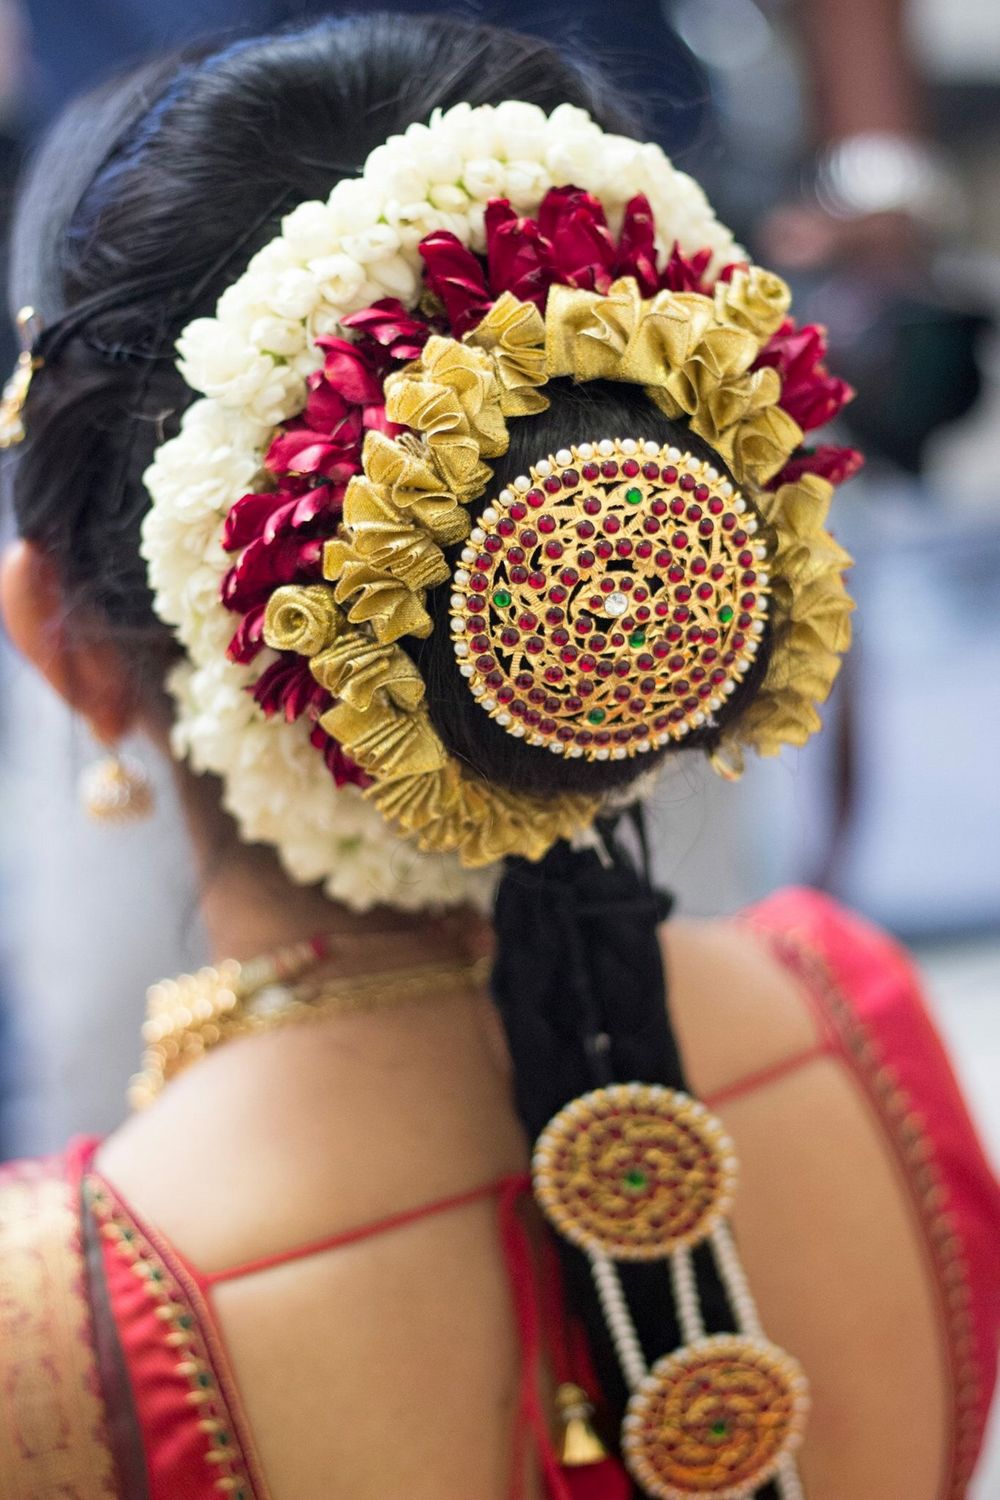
(144, 204)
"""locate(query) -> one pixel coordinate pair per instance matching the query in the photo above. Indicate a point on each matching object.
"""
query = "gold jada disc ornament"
(715, 1419)
(634, 1171)
(610, 600)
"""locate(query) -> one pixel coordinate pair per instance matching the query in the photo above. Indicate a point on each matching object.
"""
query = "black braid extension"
(580, 986)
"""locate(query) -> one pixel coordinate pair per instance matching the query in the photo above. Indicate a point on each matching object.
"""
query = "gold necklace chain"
(188, 1016)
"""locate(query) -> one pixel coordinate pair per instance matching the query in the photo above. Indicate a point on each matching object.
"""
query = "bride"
(412, 455)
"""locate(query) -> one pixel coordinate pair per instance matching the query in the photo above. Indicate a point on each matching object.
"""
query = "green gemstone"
(637, 638)
(633, 496)
(635, 1181)
(718, 1429)
(596, 716)
(726, 613)
(501, 599)
(204, 1381)
(185, 1321)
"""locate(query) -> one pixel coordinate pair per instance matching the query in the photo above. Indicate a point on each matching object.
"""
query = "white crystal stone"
(468, 555)
(616, 603)
(503, 719)
(629, 445)
(457, 625)
(477, 534)
(458, 601)
(466, 670)
(714, 703)
(619, 752)
(564, 457)
(693, 464)
(699, 717)
(489, 704)
(461, 576)
(585, 450)
(651, 448)
(490, 515)
(762, 579)
(506, 497)
(674, 454)
(543, 468)
(728, 688)
(522, 483)
(739, 505)
(574, 751)
(517, 730)
(751, 526)
(711, 475)
(602, 754)
(726, 488)
(478, 689)
(461, 648)
(556, 747)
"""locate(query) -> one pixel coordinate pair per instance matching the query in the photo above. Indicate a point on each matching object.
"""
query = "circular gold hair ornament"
(610, 600)
(716, 1418)
(634, 1171)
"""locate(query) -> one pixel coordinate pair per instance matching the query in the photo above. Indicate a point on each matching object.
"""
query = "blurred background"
(855, 147)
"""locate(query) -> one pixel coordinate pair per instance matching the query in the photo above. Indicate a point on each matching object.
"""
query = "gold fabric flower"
(301, 618)
(451, 395)
(513, 334)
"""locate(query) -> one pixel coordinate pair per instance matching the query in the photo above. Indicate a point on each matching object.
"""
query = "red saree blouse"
(114, 1378)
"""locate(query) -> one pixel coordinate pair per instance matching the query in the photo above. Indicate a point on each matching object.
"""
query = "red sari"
(114, 1378)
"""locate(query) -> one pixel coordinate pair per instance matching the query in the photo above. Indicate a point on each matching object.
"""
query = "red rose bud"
(349, 370)
(288, 687)
(518, 254)
(636, 246)
(809, 393)
(248, 642)
(686, 274)
(455, 275)
(392, 327)
(265, 566)
(835, 464)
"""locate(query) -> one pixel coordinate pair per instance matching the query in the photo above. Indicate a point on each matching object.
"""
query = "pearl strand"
(787, 1479)
(619, 1320)
(686, 1297)
(734, 1279)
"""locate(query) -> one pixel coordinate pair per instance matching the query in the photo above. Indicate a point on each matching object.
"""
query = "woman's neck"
(249, 906)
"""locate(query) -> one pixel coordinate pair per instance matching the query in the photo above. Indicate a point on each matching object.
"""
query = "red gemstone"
(705, 591)
(582, 624)
(748, 601)
(569, 576)
(478, 583)
(510, 636)
(569, 654)
(523, 681)
(694, 512)
(651, 471)
(505, 526)
(699, 565)
(535, 498)
(645, 662)
(515, 554)
(729, 523)
(533, 717)
(697, 675)
(529, 538)
(533, 644)
(605, 550)
(644, 549)
(565, 733)
(609, 469)
(622, 693)
(591, 471)
(493, 544)
(694, 634)
(517, 511)
(680, 540)
(651, 525)
(546, 524)
(706, 527)
(585, 559)
(570, 479)
(485, 663)
(709, 656)
(701, 492)
(604, 669)
(585, 529)
(716, 506)
(554, 674)
(673, 633)
(584, 737)
(682, 594)
(598, 642)
(642, 613)
(505, 695)
(587, 663)
(711, 636)
(476, 622)
(687, 481)
(682, 614)
(480, 643)
(749, 576)
(553, 484)
(573, 704)
(717, 571)
(554, 550)
(555, 616)
(740, 538)
(618, 639)
(670, 474)
(528, 620)
(677, 506)
(537, 580)
(624, 547)
(518, 575)
(518, 710)
(557, 594)
(612, 525)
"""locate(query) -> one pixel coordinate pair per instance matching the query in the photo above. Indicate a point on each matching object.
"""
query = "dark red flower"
(518, 255)
(264, 566)
(455, 275)
(288, 687)
(809, 393)
(344, 770)
(300, 450)
(348, 370)
(636, 246)
(687, 273)
(395, 330)
(248, 642)
(829, 462)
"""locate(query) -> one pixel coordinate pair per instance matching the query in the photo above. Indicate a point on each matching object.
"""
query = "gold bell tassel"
(580, 1443)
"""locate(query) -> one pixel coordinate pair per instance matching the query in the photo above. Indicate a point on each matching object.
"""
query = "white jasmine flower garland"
(250, 364)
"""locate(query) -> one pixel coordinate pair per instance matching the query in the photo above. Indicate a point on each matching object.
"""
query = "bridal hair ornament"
(358, 381)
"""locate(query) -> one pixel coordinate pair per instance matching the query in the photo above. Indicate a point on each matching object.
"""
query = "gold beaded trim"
(611, 599)
(189, 1016)
(634, 1171)
(182, 1332)
(716, 1418)
(907, 1132)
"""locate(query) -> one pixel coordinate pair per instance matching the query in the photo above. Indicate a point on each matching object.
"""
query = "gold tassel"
(580, 1443)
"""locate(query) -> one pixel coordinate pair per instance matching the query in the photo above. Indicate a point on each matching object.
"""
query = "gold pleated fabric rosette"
(693, 356)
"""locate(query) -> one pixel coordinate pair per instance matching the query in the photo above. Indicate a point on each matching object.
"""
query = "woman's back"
(390, 1366)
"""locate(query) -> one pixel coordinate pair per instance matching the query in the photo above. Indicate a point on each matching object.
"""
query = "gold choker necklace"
(188, 1016)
